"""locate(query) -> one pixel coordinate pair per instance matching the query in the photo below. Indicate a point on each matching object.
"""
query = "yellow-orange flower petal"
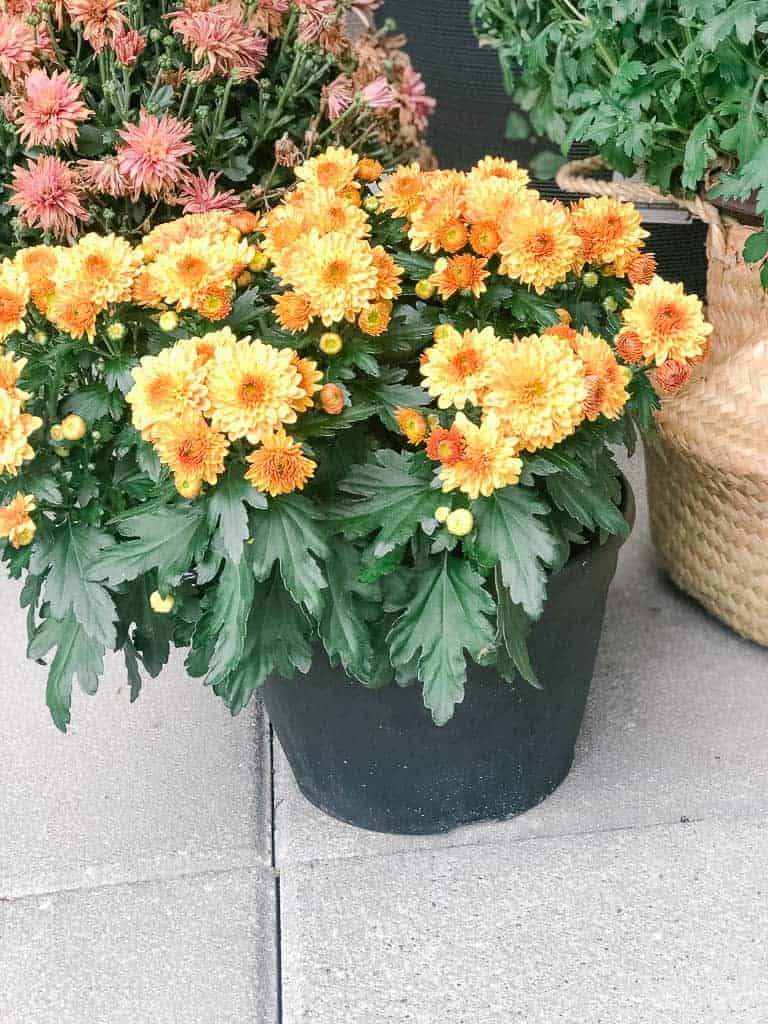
(15, 521)
(539, 246)
(279, 466)
(489, 459)
(191, 448)
(457, 367)
(669, 323)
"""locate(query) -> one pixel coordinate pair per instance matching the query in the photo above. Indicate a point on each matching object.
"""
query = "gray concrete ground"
(144, 876)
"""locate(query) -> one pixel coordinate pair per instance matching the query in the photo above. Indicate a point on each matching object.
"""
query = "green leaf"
(512, 657)
(227, 509)
(277, 643)
(117, 373)
(756, 246)
(287, 533)
(698, 152)
(388, 393)
(74, 550)
(246, 310)
(395, 495)
(510, 529)
(95, 401)
(516, 126)
(218, 641)
(590, 504)
(151, 638)
(167, 540)
(77, 656)
(546, 164)
(447, 615)
(344, 627)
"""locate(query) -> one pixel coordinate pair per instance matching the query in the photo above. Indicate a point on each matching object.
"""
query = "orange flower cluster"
(194, 399)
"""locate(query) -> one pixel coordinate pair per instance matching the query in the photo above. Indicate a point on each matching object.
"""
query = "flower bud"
(168, 321)
(332, 399)
(442, 513)
(371, 204)
(40, 337)
(331, 343)
(443, 332)
(590, 279)
(368, 169)
(63, 453)
(610, 305)
(244, 279)
(258, 263)
(116, 331)
(189, 488)
(460, 522)
(73, 427)
(56, 434)
(671, 376)
(24, 535)
(161, 605)
(425, 289)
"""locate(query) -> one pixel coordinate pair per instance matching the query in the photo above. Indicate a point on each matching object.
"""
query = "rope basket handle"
(579, 176)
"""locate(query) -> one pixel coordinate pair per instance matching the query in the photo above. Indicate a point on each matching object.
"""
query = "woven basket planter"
(707, 464)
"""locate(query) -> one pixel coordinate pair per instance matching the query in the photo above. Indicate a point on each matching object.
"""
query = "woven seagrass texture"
(707, 466)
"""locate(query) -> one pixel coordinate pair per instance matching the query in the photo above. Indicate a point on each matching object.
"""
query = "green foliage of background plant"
(677, 91)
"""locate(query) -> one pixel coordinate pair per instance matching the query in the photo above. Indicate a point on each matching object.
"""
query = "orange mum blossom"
(369, 170)
(488, 462)
(641, 268)
(606, 380)
(191, 448)
(401, 191)
(279, 466)
(669, 323)
(10, 368)
(165, 386)
(671, 376)
(492, 200)
(440, 205)
(388, 274)
(374, 319)
(538, 245)
(629, 346)
(335, 168)
(537, 388)
(310, 378)
(293, 311)
(412, 424)
(485, 238)
(609, 230)
(73, 310)
(446, 445)
(465, 273)
(14, 296)
(456, 368)
(15, 429)
(15, 521)
(325, 210)
(336, 274)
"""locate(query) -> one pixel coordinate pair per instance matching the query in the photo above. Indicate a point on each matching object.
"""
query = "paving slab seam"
(278, 909)
(246, 863)
(507, 840)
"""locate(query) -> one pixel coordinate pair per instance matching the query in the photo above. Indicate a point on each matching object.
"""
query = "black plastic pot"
(375, 759)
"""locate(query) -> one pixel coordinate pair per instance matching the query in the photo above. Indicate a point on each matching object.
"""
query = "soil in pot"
(376, 760)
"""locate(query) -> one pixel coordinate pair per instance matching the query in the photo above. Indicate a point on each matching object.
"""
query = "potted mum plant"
(364, 438)
(118, 115)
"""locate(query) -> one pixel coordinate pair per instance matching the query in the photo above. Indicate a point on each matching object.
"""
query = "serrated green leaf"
(287, 533)
(591, 505)
(218, 641)
(117, 373)
(512, 656)
(166, 540)
(77, 656)
(344, 627)
(447, 615)
(227, 510)
(387, 394)
(698, 152)
(277, 643)
(74, 550)
(510, 528)
(394, 495)
(94, 402)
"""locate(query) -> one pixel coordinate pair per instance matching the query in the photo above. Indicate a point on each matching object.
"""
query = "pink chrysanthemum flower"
(17, 47)
(379, 94)
(316, 16)
(47, 195)
(199, 195)
(338, 96)
(415, 106)
(220, 39)
(103, 176)
(152, 157)
(100, 20)
(128, 46)
(51, 110)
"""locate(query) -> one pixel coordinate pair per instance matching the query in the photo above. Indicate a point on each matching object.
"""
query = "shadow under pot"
(374, 758)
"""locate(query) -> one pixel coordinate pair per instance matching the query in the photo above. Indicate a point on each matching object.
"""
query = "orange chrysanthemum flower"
(108, 264)
(335, 168)
(73, 310)
(497, 167)
(190, 448)
(166, 385)
(401, 191)
(10, 370)
(293, 311)
(669, 323)
(15, 428)
(254, 389)
(539, 247)
(374, 319)
(457, 367)
(388, 274)
(412, 424)
(485, 238)
(309, 383)
(214, 302)
(609, 229)
(39, 263)
(606, 381)
(641, 268)
(489, 459)
(369, 170)
(325, 210)
(494, 199)
(453, 235)
(445, 446)
(14, 296)
(279, 466)
(465, 273)
(442, 202)
(336, 274)
(538, 389)
(671, 376)
(629, 346)
(15, 521)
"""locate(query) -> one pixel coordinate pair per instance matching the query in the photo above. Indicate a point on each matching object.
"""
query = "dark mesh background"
(472, 110)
